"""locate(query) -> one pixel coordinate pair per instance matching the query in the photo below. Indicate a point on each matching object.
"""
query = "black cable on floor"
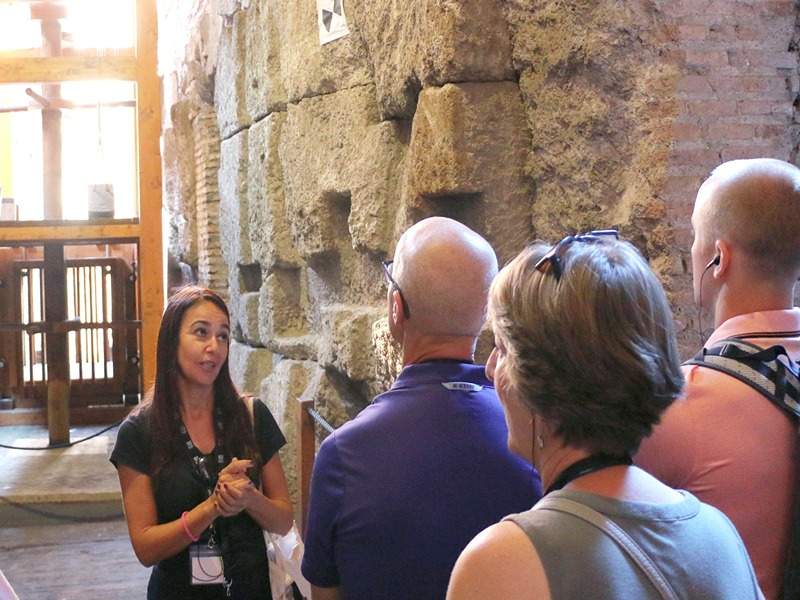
(58, 517)
(64, 445)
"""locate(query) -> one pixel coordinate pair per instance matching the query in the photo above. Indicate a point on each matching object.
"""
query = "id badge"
(206, 564)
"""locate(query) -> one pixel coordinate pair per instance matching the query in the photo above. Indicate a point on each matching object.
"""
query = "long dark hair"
(162, 403)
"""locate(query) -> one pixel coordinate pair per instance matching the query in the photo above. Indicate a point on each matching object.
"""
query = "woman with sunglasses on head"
(585, 362)
(198, 465)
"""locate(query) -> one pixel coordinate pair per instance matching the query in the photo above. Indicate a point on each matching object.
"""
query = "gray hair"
(593, 352)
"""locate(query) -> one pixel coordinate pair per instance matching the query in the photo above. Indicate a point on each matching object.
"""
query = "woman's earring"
(539, 440)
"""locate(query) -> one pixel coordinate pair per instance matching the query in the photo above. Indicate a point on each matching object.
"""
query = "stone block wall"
(520, 118)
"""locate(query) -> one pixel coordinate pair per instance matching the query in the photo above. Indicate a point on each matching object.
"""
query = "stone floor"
(62, 535)
(90, 561)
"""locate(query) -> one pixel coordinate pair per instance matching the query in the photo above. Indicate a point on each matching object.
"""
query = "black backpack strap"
(769, 371)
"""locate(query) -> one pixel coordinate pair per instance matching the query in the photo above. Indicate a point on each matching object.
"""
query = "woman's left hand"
(234, 495)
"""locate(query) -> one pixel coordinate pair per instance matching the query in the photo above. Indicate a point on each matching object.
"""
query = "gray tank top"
(694, 545)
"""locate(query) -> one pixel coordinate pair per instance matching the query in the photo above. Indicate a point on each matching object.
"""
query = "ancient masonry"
(304, 162)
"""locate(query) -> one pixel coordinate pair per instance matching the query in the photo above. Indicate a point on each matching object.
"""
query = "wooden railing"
(308, 423)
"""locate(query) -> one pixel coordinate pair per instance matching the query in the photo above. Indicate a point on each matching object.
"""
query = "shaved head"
(755, 206)
(445, 270)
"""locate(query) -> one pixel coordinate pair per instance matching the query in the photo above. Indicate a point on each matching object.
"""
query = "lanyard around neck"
(200, 466)
(590, 464)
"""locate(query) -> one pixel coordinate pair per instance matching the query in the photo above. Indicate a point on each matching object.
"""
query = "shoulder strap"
(248, 402)
(615, 532)
(769, 371)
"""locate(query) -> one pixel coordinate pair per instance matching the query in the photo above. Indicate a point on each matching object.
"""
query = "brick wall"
(736, 99)
(212, 271)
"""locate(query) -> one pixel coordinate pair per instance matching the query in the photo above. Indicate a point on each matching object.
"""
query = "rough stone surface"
(467, 156)
(248, 367)
(344, 329)
(230, 93)
(233, 205)
(430, 43)
(356, 170)
(335, 397)
(280, 391)
(388, 357)
(599, 108)
(179, 183)
(283, 306)
(306, 68)
(265, 92)
(268, 228)
(249, 317)
(520, 118)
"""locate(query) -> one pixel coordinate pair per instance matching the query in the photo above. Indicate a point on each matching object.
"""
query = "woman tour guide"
(200, 478)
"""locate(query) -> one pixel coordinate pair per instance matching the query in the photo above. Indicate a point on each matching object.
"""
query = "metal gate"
(101, 328)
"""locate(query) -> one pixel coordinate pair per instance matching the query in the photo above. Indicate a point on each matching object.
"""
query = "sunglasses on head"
(552, 261)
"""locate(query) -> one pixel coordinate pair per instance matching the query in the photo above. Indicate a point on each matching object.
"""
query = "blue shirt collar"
(437, 371)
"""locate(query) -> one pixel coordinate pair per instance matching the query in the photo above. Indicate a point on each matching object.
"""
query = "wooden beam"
(51, 161)
(67, 68)
(148, 135)
(67, 105)
(305, 449)
(32, 233)
(42, 11)
(69, 51)
(51, 123)
(55, 289)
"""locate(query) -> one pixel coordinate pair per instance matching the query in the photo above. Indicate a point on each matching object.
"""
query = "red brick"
(707, 57)
(687, 132)
(711, 108)
(769, 131)
(730, 131)
(737, 152)
(782, 8)
(679, 8)
(762, 119)
(764, 58)
(693, 157)
(763, 84)
(764, 107)
(725, 83)
(680, 186)
(692, 32)
(719, 32)
(696, 84)
(748, 34)
(696, 170)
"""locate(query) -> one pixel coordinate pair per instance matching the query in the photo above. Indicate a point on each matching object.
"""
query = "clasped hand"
(234, 490)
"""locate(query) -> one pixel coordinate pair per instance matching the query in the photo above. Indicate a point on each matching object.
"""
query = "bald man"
(725, 442)
(399, 491)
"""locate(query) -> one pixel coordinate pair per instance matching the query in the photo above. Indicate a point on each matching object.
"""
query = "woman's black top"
(177, 489)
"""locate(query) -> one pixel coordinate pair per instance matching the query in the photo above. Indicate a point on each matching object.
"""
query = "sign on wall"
(332, 22)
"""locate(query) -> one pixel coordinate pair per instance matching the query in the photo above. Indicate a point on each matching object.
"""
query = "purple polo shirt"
(399, 491)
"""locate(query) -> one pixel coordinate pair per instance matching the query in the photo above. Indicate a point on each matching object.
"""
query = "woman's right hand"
(236, 468)
(232, 487)
(233, 497)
